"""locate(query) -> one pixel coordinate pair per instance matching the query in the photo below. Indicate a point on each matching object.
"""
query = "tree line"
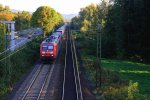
(125, 27)
(22, 18)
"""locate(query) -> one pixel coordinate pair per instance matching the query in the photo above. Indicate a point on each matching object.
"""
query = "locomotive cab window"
(44, 48)
(50, 47)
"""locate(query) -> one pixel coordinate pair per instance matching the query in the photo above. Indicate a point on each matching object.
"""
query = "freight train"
(50, 47)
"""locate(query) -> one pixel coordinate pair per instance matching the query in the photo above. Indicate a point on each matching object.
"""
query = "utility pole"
(9, 26)
(98, 57)
(100, 50)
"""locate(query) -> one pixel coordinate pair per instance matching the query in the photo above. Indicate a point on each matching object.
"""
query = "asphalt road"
(23, 37)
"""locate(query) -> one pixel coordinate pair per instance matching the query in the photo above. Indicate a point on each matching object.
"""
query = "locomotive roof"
(57, 34)
(52, 39)
(63, 27)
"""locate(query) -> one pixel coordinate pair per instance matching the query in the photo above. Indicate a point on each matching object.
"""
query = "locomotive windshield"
(50, 47)
(47, 48)
(44, 48)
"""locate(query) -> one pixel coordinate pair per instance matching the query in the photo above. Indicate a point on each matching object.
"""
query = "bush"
(133, 92)
(112, 93)
(122, 92)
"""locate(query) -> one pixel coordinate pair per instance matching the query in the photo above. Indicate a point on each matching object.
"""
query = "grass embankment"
(121, 80)
(15, 66)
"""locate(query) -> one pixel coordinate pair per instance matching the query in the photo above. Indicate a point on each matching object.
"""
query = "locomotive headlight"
(43, 52)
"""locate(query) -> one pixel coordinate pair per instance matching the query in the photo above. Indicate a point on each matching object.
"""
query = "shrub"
(133, 92)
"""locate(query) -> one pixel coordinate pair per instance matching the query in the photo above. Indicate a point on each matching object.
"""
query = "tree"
(5, 13)
(46, 18)
(87, 17)
(128, 21)
(75, 23)
(22, 20)
(1, 7)
(125, 27)
(6, 10)
(59, 19)
(4, 16)
(2, 37)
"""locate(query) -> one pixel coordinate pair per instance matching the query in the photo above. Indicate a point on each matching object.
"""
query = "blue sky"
(62, 6)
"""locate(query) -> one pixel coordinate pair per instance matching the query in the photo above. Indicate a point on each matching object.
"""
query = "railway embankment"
(14, 67)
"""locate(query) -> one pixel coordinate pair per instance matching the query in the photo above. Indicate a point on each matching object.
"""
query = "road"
(23, 37)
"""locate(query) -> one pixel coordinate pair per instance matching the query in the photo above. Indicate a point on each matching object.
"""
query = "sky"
(61, 6)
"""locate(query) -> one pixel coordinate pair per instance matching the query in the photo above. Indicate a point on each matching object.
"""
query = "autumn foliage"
(4, 16)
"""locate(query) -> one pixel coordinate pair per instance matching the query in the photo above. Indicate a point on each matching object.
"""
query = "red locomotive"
(49, 48)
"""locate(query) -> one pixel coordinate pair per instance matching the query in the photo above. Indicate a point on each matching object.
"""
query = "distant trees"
(46, 18)
(4, 16)
(75, 23)
(5, 13)
(22, 20)
(87, 17)
(125, 27)
(85, 20)
(1, 7)
(5, 9)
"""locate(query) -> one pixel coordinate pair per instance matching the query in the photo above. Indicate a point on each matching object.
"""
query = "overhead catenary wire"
(14, 46)
(12, 53)
(11, 47)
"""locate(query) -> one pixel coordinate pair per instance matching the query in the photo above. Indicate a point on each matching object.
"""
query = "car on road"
(16, 37)
(29, 36)
(36, 33)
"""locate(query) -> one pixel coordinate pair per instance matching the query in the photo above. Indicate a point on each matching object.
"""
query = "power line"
(12, 53)
(12, 47)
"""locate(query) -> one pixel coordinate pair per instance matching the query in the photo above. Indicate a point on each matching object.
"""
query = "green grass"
(137, 72)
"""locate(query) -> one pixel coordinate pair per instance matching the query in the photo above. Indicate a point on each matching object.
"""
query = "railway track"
(71, 83)
(40, 84)
(37, 87)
